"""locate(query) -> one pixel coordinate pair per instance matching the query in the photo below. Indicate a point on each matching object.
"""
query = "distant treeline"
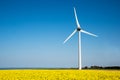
(100, 67)
(86, 67)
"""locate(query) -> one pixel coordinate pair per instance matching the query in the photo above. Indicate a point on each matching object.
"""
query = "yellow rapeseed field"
(59, 75)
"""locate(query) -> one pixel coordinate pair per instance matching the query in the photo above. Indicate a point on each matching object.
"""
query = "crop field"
(59, 75)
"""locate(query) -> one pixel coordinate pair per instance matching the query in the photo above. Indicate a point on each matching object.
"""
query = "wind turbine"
(79, 30)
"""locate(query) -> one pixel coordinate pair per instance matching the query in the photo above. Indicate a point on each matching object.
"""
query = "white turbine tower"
(79, 30)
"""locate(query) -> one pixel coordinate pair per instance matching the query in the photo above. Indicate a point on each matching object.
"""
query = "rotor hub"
(78, 29)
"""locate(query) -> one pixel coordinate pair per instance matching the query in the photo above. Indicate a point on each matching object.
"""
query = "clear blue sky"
(32, 33)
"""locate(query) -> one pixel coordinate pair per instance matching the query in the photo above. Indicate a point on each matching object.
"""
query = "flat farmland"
(59, 74)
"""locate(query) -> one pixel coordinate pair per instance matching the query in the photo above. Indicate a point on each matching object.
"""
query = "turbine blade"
(70, 36)
(78, 25)
(88, 33)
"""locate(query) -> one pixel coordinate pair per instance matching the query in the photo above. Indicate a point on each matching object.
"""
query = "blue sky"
(32, 33)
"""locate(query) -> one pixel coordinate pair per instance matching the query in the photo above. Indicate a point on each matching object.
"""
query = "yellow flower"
(59, 75)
